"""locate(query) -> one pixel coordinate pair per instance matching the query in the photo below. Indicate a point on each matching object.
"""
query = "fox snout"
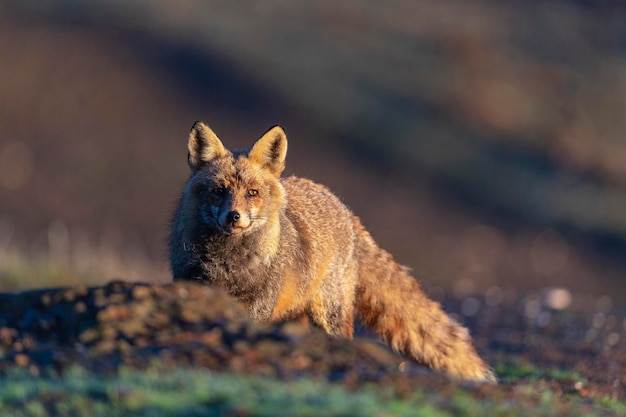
(236, 220)
(233, 220)
(233, 217)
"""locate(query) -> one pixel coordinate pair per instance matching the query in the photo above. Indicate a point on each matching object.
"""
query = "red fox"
(288, 247)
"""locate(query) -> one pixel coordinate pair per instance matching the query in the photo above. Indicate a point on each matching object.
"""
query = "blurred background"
(482, 143)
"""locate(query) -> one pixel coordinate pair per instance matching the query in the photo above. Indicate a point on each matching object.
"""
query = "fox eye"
(253, 193)
(219, 191)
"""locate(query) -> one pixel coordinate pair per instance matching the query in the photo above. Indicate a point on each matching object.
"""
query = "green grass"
(199, 393)
(180, 393)
(515, 370)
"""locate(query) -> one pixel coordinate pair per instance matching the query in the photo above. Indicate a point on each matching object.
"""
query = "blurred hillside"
(481, 143)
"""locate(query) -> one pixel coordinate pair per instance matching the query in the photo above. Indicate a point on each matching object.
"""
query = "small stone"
(28, 342)
(7, 334)
(108, 332)
(213, 337)
(142, 309)
(21, 360)
(300, 361)
(190, 315)
(81, 290)
(132, 328)
(69, 295)
(241, 346)
(140, 292)
(142, 341)
(113, 312)
(158, 319)
(117, 298)
(122, 346)
(268, 348)
(116, 286)
(46, 299)
(99, 298)
(103, 347)
(89, 335)
(182, 292)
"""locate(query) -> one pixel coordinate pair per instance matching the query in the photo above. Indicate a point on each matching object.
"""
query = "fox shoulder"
(322, 220)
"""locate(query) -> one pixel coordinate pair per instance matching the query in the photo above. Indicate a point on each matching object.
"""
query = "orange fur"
(289, 298)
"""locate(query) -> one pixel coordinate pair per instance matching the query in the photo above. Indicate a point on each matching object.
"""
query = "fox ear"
(271, 150)
(204, 146)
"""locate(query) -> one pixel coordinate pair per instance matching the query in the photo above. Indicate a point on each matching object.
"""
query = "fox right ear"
(270, 151)
(204, 146)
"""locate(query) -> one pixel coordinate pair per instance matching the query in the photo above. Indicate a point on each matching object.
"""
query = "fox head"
(236, 191)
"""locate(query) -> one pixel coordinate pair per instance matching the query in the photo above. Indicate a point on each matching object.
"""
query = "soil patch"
(184, 324)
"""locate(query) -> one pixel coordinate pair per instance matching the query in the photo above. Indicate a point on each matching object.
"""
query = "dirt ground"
(581, 353)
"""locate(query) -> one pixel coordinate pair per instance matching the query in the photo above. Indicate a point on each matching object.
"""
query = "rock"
(21, 360)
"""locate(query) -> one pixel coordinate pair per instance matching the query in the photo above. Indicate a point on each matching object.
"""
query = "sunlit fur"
(297, 250)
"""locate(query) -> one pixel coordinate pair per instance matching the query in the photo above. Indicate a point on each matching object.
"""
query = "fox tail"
(391, 303)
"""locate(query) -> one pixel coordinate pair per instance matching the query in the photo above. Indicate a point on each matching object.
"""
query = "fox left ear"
(271, 150)
(204, 146)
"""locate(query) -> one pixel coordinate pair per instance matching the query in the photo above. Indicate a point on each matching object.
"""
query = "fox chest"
(243, 272)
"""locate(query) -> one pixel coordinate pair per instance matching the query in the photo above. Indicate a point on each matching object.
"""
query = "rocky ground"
(581, 353)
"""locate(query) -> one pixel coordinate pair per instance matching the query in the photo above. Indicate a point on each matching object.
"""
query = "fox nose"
(233, 217)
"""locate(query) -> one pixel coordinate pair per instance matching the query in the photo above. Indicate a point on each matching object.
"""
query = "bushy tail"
(392, 304)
